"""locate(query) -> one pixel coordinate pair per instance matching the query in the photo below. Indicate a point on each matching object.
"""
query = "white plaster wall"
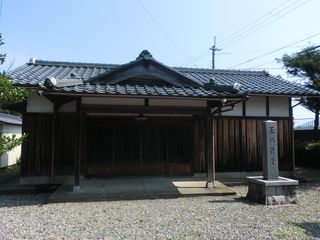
(69, 107)
(13, 156)
(177, 102)
(279, 107)
(256, 106)
(237, 111)
(113, 101)
(40, 104)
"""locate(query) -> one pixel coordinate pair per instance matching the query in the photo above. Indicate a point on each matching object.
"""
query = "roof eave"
(218, 98)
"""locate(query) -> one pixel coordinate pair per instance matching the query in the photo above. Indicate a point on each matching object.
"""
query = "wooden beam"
(209, 149)
(76, 187)
(91, 108)
(59, 100)
(53, 139)
(267, 106)
(290, 107)
(244, 108)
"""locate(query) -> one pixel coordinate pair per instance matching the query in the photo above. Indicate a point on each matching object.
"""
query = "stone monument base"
(272, 192)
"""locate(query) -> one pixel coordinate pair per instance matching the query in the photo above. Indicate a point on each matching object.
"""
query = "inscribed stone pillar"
(270, 150)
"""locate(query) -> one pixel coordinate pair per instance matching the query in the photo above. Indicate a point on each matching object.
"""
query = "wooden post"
(76, 186)
(53, 144)
(209, 148)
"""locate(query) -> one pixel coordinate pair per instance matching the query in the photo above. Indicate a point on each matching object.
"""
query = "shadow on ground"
(7, 201)
(312, 229)
(235, 200)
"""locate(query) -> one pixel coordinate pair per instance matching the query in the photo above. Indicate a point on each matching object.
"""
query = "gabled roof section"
(89, 74)
(144, 67)
(255, 82)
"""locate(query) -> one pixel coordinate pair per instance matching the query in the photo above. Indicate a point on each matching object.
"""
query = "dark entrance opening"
(129, 147)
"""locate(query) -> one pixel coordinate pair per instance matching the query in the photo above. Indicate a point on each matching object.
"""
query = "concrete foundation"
(127, 188)
(272, 192)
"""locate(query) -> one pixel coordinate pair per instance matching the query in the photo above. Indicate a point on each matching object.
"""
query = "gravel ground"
(28, 217)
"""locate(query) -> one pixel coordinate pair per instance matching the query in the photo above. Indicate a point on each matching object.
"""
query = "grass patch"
(9, 173)
(281, 234)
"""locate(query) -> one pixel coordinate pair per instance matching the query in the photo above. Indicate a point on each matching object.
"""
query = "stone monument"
(270, 189)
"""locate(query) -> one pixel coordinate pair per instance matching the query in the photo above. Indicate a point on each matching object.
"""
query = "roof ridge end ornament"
(145, 54)
(32, 60)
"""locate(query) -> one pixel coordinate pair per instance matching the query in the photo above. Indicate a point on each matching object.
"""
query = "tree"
(306, 65)
(9, 94)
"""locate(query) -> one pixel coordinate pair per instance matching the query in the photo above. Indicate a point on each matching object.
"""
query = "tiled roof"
(255, 82)
(31, 74)
(10, 119)
(145, 90)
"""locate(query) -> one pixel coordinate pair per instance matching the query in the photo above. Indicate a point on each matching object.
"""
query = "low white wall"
(279, 107)
(256, 107)
(237, 111)
(40, 104)
(13, 156)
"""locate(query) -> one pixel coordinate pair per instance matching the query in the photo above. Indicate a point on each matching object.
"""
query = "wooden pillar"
(77, 161)
(23, 164)
(209, 149)
(53, 144)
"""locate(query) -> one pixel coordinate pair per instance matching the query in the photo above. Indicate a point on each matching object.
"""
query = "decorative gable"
(145, 70)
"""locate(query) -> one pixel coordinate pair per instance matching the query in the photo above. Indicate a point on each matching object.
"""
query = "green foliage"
(2, 56)
(306, 65)
(307, 145)
(7, 143)
(9, 94)
(312, 145)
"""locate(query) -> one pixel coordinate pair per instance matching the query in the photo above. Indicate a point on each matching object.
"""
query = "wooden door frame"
(154, 122)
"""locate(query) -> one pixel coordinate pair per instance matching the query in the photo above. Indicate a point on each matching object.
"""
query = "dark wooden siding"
(37, 148)
(65, 144)
(238, 143)
(134, 147)
(199, 144)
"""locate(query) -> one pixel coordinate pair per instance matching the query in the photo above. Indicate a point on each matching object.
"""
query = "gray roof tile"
(251, 81)
(10, 119)
(143, 90)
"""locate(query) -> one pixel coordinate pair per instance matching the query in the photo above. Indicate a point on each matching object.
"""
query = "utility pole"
(214, 49)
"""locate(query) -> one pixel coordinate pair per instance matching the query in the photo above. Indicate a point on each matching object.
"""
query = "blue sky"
(177, 33)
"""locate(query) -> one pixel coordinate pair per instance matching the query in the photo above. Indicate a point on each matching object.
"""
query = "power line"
(253, 22)
(262, 64)
(245, 18)
(259, 26)
(161, 28)
(195, 56)
(200, 53)
(278, 49)
(207, 54)
(248, 29)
